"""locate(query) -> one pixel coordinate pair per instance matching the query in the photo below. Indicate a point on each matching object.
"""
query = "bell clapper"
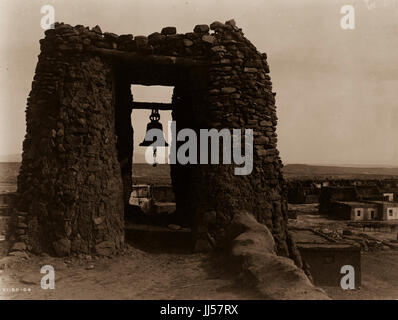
(154, 157)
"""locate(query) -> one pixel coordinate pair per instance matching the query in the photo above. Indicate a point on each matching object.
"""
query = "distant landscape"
(11, 157)
(145, 173)
(303, 171)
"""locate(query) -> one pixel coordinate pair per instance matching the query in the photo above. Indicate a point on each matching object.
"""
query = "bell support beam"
(152, 105)
(134, 58)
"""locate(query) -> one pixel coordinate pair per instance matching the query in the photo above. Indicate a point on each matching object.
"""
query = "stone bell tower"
(76, 169)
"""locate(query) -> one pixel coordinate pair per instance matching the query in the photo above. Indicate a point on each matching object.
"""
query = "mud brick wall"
(70, 181)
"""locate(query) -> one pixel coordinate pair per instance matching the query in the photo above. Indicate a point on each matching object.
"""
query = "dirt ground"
(379, 278)
(135, 275)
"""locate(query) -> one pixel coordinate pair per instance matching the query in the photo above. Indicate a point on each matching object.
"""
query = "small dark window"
(390, 212)
(372, 214)
(358, 213)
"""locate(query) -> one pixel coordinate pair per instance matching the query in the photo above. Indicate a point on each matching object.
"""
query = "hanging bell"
(154, 124)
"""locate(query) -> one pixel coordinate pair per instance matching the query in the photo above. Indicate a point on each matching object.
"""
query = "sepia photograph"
(198, 158)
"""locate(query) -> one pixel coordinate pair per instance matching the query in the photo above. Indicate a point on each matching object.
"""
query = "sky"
(336, 89)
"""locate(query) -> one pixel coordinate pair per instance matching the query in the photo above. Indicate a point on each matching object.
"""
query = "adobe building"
(355, 211)
(76, 169)
(388, 210)
(359, 203)
(390, 194)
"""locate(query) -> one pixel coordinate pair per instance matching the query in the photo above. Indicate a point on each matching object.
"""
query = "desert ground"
(136, 274)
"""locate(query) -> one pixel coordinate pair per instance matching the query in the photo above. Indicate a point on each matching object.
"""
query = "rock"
(99, 220)
(261, 140)
(62, 28)
(169, 31)
(187, 42)
(217, 25)
(231, 23)
(326, 231)
(228, 90)
(110, 36)
(253, 241)
(250, 70)
(201, 28)
(105, 248)
(90, 267)
(62, 247)
(125, 38)
(18, 246)
(218, 49)
(30, 279)
(244, 229)
(274, 277)
(156, 37)
(19, 254)
(208, 39)
(174, 227)
(265, 123)
(141, 41)
(278, 278)
(97, 29)
(7, 262)
(20, 232)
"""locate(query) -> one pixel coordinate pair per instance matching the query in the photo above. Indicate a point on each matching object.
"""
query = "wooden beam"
(152, 105)
(135, 58)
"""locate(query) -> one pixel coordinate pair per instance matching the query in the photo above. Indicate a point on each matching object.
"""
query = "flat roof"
(383, 202)
(328, 247)
(357, 203)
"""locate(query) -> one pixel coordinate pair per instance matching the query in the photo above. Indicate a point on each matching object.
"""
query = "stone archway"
(70, 184)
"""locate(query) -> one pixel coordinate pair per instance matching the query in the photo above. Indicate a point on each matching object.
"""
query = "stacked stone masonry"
(71, 179)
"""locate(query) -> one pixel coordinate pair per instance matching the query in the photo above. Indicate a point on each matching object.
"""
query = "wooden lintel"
(152, 105)
(135, 58)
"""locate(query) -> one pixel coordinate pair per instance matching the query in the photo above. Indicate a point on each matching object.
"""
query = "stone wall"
(70, 181)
